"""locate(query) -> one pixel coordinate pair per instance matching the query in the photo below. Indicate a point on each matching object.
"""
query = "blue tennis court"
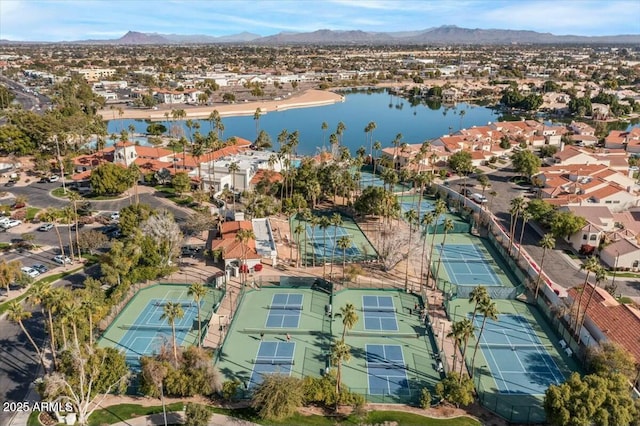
(379, 313)
(150, 332)
(386, 370)
(518, 360)
(467, 265)
(284, 311)
(326, 244)
(272, 358)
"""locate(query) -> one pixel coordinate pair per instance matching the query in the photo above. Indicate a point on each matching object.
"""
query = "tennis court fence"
(409, 396)
(154, 327)
(516, 346)
(274, 361)
(384, 333)
(513, 408)
(278, 331)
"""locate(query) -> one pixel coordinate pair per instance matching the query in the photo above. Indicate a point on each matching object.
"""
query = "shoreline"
(306, 99)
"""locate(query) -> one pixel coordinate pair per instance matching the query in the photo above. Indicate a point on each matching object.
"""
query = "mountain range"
(448, 34)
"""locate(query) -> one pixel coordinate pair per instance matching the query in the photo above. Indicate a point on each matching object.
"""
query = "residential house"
(599, 222)
(623, 254)
(233, 251)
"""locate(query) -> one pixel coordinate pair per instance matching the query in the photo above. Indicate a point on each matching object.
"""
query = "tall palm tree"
(324, 223)
(244, 236)
(334, 143)
(466, 331)
(72, 314)
(591, 265)
(438, 211)
(447, 226)
(340, 352)
(313, 222)
(173, 311)
(456, 334)
(233, 168)
(17, 314)
(74, 197)
(9, 272)
(324, 128)
(198, 291)
(547, 242)
(336, 221)
(343, 244)
(493, 196)
(52, 215)
(600, 275)
(426, 222)
(411, 216)
(517, 206)
(489, 310)
(369, 133)
(525, 216)
(40, 295)
(377, 146)
(340, 128)
(256, 118)
(89, 306)
(68, 216)
(299, 230)
(478, 295)
(349, 318)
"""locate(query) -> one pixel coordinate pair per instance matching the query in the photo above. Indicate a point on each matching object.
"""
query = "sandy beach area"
(304, 99)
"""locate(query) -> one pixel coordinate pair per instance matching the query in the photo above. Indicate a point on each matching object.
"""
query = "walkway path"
(178, 417)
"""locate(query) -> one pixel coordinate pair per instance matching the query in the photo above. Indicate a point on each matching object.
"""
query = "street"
(560, 269)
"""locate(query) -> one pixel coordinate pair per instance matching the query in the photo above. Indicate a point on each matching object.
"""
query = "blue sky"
(58, 20)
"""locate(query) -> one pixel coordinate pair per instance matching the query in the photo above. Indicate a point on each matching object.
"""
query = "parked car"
(32, 272)
(59, 259)
(17, 206)
(11, 224)
(43, 180)
(46, 227)
(109, 229)
(54, 178)
(479, 198)
(80, 225)
(115, 216)
(188, 251)
(40, 268)
(10, 183)
(116, 233)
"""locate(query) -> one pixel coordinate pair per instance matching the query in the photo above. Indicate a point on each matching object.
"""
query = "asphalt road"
(29, 100)
(557, 266)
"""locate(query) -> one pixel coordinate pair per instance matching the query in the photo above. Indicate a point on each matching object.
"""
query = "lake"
(391, 114)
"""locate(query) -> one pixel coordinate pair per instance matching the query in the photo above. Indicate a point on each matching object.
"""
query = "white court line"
(546, 352)
(524, 369)
(496, 364)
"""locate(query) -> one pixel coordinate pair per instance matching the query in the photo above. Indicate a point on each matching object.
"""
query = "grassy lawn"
(571, 254)
(60, 193)
(33, 419)
(122, 412)
(623, 274)
(31, 213)
(127, 411)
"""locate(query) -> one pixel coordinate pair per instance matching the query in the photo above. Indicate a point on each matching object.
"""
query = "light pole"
(615, 268)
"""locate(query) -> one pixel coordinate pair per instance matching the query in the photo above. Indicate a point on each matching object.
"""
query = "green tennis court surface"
(251, 350)
(467, 265)
(139, 329)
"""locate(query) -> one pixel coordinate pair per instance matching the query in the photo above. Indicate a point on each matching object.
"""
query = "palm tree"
(340, 128)
(313, 222)
(256, 118)
(517, 206)
(489, 310)
(466, 331)
(67, 213)
(9, 272)
(324, 128)
(40, 294)
(377, 146)
(52, 215)
(456, 334)
(600, 275)
(427, 220)
(547, 242)
(340, 352)
(438, 210)
(369, 132)
(17, 314)
(198, 291)
(493, 196)
(299, 230)
(526, 216)
(411, 216)
(324, 223)
(333, 142)
(233, 168)
(349, 318)
(71, 313)
(478, 295)
(173, 311)
(89, 305)
(447, 226)
(244, 236)
(343, 244)
(74, 197)
(336, 221)
(591, 265)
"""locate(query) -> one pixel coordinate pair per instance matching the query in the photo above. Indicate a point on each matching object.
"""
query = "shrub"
(277, 397)
(197, 415)
(230, 389)
(425, 398)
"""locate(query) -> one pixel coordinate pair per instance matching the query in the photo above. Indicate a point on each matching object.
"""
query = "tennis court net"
(155, 327)
(287, 307)
(388, 365)
(379, 309)
(383, 333)
(516, 346)
(183, 304)
(277, 331)
(274, 361)
(457, 260)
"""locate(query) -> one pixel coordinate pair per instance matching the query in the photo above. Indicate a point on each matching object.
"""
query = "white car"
(30, 271)
(59, 259)
(115, 216)
(11, 224)
(54, 178)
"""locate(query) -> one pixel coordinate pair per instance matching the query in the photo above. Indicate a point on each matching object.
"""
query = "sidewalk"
(178, 417)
